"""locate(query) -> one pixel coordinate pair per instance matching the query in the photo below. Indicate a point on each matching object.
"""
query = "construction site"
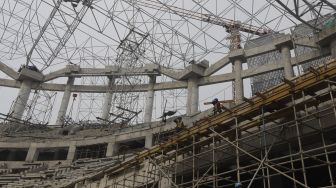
(167, 94)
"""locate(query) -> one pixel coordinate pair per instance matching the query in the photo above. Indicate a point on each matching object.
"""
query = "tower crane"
(232, 27)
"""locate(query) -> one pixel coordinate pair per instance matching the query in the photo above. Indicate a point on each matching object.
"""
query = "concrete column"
(32, 153)
(22, 99)
(193, 96)
(112, 149)
(149, 141)
(65, 101)
(238, 82)
(286, 60)
(71, 152)
(103, 182)
(108, 99)
(150, 100)
(333, 49)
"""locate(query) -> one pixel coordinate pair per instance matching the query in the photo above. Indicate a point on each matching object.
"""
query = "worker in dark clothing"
(217, 106)
(165, 114)
(179, 124)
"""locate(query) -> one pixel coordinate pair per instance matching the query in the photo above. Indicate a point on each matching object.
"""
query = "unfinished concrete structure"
(282, 137)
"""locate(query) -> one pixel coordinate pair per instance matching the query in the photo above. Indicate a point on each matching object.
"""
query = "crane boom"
(228, 24)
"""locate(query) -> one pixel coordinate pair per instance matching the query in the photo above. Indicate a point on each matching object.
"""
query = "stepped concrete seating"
(57, 175)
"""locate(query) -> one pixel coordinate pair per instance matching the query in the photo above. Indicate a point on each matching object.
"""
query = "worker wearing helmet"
(217, 106)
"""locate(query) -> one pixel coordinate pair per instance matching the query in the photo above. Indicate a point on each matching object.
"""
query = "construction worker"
(217, 106)
(179, 124)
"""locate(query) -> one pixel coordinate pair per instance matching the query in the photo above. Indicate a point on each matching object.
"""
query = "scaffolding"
(281, 137)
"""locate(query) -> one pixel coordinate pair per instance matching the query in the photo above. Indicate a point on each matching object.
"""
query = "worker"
(217, 106)
(179, 124)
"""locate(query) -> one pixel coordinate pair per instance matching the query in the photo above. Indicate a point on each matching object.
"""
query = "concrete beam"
(27, 74)
(171, 73)
(262, 69)
(285, 40)
(76, 71)
(9, 71)
(306, 41)
(217, 66)
(194, 70)
(260, 50)
(153, 69)
(207, 80)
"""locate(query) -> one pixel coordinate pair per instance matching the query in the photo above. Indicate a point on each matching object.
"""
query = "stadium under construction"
(160, 94)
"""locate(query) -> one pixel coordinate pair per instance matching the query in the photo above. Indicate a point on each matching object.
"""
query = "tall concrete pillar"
(150, 100)
(22, 99)
(112, 149)
(193, 96)
(237, 57)
(149, 141)
(333, 49)
(238, 82)
(108, 99)
(65, 101)
(32, 153)
(286, 60)
(71, 152)
(284, 43)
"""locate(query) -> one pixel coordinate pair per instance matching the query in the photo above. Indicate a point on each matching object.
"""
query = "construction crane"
(232, 27)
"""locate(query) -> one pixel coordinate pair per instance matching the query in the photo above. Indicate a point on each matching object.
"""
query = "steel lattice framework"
(50, 34)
